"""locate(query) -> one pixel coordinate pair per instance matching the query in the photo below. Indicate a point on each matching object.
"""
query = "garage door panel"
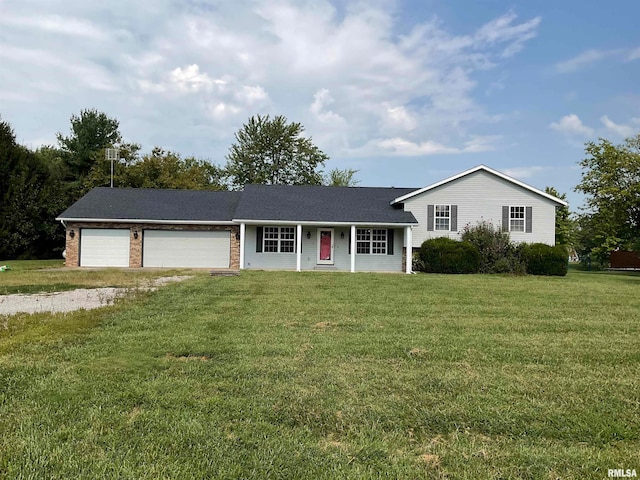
(191, 249)
(104, 247)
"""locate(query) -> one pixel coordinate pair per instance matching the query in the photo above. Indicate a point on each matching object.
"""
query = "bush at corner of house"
(444, 255)
(543, 259)
(497, 252)
(417, 263)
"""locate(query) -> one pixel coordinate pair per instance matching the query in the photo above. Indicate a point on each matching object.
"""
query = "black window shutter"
(259, 234)
(454, 218)
(505, 218)
(528, 220)
(390, 235)
(430, 218)
(349, 241)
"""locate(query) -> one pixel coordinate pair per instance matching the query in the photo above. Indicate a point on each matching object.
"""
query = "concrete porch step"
(325, 268)
(224, 273)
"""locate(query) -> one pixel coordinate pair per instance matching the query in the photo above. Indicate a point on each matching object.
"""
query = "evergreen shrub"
(444, 255)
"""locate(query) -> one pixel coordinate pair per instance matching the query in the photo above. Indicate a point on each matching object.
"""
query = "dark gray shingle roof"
(154, 204)
(322, 204)
(303, 203)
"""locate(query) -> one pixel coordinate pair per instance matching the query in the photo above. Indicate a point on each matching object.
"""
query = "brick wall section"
(72, 247)
(404, 257)
(135, 245)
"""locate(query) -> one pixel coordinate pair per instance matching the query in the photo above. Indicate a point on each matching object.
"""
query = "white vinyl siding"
(481, 196)
(186, 249)
(104, 247)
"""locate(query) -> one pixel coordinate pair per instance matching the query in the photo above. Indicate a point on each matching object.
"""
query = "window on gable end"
(516, 219)
(442, 217)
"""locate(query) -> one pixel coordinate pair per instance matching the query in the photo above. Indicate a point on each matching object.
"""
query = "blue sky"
(406, 92)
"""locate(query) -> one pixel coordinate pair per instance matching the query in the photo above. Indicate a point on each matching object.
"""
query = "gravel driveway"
(87, 298)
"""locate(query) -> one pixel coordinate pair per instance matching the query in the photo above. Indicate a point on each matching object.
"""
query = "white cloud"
(523, 173)
(400, 118)
(592, 56)
(223, 110)
(503, 30)
(354, 73)
(480, 143)
(571, 125)
(190, 79)
(402, 147)
(633, 55)
(75, 27)
(252, 95)
(582, 60)
(321, 100)
(618, 129)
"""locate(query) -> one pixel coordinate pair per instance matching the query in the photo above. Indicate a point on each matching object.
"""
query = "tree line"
(36, 185)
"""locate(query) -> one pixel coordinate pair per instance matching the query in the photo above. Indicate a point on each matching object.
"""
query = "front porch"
(313, 246)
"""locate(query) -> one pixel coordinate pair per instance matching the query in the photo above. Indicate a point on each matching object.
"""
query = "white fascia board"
(137, 220)
(322, 224)
(486, 169)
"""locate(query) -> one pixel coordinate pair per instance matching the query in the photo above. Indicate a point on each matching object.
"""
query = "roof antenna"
(111, 155)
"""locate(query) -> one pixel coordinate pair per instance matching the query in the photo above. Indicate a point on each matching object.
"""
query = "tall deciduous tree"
(159, 169)
(274, 152)
(30, 198)
(565, 225)
(91, 132)
(611, 183)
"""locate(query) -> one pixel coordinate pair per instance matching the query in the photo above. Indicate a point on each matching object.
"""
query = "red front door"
(325, 245)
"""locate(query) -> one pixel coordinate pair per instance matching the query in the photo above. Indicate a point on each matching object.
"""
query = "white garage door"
(104, 247)
(175, 248)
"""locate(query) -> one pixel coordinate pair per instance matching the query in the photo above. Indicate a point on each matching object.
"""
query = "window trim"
(371, 241)
(279, 238)
(436, 217)
(523, 218)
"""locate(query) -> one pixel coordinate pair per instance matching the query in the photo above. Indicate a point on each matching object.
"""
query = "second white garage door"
(174, 248)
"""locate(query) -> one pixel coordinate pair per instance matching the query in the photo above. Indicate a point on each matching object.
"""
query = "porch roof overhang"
(318, 223)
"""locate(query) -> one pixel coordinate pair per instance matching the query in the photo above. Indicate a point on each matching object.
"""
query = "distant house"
(297, 227)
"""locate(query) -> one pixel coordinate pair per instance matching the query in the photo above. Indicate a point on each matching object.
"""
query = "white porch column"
(353, 248)
(298, 248)
(242, 231)
(408, 235)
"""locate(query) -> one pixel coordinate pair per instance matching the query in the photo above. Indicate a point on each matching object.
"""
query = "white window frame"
(277, 235)
(441, 217)
(373, 243)
(517, 218)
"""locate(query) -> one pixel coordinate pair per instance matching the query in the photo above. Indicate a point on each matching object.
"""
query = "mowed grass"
(330, 375)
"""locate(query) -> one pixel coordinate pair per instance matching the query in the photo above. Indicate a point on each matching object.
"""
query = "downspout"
(64, 251)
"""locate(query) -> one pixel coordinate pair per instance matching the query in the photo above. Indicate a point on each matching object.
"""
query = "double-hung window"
(442, 217)
(516, 219)
(371, 241)
(279, 239)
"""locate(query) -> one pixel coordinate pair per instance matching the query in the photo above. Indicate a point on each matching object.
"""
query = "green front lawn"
(330, 375)
(44, 276)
